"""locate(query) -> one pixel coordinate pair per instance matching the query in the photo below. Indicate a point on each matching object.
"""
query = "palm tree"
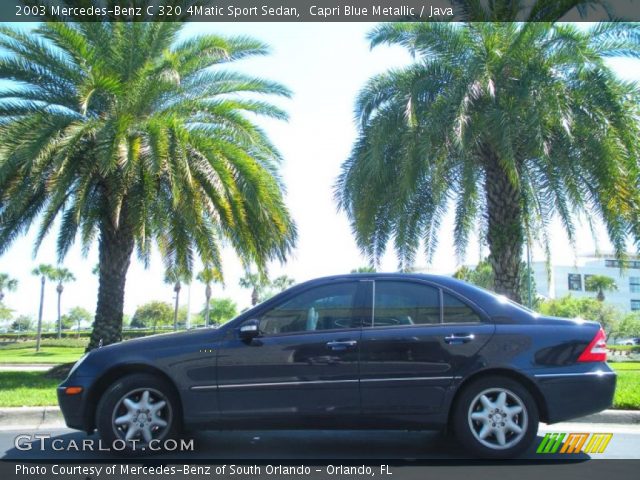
(281, 283)
(133, 137)
(256, 282)
(45, 272)
(208, 276)
(62, 276)
(367, 269)
(513, 123)
(174, 276)
(7, 284)
(600, 284)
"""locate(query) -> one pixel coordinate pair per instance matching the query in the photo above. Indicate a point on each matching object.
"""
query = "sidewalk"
(26, 367)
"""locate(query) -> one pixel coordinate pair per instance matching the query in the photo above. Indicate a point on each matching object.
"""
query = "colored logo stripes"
(574, 443)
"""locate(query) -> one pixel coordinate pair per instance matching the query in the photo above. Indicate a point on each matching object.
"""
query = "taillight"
(596, 351)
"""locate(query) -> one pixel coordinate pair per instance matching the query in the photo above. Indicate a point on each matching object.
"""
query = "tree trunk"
(254, 296)
(59, 315)
(175, 309)
(505, 235)
(39, 334)
(207, 307)
(115, 248)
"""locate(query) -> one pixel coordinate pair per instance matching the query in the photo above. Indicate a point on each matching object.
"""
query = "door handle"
(341, 344)
(458, 338)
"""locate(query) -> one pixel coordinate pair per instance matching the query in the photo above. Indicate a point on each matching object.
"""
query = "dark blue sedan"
(368, 351)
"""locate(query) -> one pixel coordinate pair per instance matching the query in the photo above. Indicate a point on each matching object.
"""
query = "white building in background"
(570, 279)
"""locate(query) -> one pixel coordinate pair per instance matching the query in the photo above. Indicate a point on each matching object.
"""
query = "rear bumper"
(574, 395)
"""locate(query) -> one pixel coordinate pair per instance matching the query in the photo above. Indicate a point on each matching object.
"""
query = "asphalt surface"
(402, 446)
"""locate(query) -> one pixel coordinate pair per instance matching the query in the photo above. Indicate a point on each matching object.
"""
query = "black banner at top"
(318, 10)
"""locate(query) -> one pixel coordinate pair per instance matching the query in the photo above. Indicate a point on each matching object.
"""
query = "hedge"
(624, 348)
(126, 335)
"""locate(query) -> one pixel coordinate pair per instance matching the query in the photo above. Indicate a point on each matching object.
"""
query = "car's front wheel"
(140, 411)
(495, 417)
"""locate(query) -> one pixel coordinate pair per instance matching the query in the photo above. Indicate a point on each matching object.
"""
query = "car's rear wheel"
(139, 411)
(495, 417)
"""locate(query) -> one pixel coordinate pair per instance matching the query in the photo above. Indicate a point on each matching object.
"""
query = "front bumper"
(74, 407)
(573, 395)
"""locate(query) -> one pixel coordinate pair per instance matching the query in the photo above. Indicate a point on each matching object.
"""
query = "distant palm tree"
(367, 269)
(208, 276)
(130, 135)
(174, 276)
(7, 284)
(62, 276)
(256, 282)
(600, 284)
(45, 272)
(512, 123)
(281, 283)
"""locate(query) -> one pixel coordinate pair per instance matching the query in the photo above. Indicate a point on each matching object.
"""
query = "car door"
(418, 339)
(303, 366)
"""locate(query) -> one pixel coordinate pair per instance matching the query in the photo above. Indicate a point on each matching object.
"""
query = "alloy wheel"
(498, 418)
(143, 415)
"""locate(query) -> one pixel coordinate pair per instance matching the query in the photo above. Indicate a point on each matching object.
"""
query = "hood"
(160, 340)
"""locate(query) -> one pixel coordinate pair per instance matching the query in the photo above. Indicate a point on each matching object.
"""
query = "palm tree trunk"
(175, 311)
(115, 251)
(59, 316)
(254, 297)
(505, 235)
(39, 333)
(207, 307)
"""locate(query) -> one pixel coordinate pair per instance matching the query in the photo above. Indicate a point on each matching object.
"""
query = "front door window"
(329, 307)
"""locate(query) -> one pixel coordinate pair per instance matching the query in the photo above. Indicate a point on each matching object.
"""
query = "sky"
(325, 65)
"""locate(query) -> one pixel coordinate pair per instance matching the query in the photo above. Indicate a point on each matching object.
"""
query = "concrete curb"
(625, 417)
(31, 417)
(51, 416)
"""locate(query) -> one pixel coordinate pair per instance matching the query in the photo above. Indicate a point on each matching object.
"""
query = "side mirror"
(249, 330)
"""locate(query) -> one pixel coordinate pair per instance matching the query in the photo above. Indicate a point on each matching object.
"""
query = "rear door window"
(405, 303)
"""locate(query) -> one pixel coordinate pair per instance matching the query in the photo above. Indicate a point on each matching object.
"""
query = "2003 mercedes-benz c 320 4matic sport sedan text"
(388, 351)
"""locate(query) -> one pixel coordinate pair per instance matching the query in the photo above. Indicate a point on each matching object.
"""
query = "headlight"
(77, 364)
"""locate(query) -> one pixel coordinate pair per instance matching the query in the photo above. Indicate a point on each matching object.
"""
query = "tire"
(132, 402)
(488, 429)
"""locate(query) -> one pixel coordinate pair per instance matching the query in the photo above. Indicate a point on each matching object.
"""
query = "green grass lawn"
(51, 351)
(628, 387)
(27, 389)
(34, 388)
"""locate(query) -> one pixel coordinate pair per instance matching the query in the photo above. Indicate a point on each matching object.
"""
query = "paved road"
(345, 445)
